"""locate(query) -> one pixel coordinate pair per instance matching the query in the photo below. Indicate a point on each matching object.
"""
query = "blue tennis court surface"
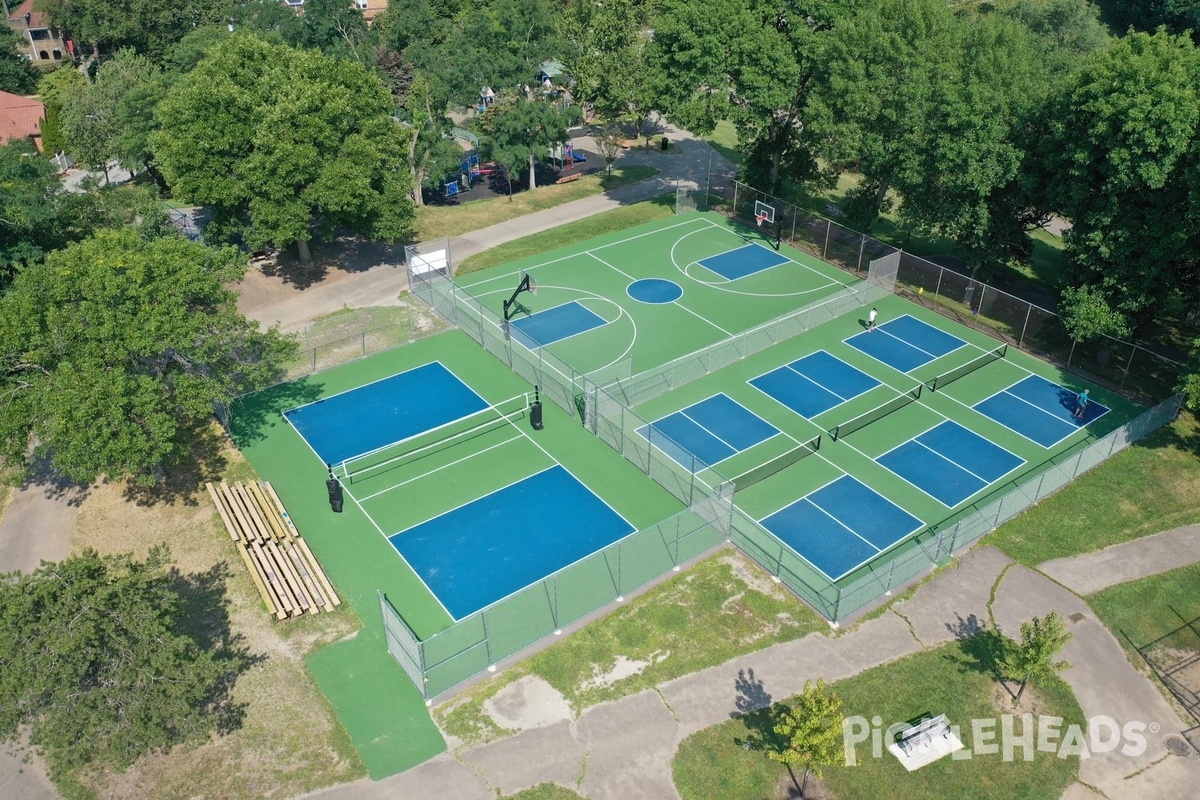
(554, 325)
(476, 554)
(1039, 410)
(747, 260)
(708, 432)
(905, 343)
(386, 411)
(841, 526)
(814, 384)
(950, 463)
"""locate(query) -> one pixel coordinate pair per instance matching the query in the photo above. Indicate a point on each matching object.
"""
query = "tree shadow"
(42, 476)
(203, 616)
(754, 709)
(202, 459)
(251, 418)
(985, 648)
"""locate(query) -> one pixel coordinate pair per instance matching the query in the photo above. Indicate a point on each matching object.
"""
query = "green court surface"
(383, 712)
(599, 273)
(856, 454)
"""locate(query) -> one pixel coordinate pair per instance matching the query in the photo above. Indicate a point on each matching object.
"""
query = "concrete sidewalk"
(272, 301)
(623, 750)
(1126, 562)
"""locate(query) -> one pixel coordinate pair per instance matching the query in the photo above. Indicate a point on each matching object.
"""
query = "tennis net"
(421, 444)
(947, 378)
(875, 414)
(781, 462)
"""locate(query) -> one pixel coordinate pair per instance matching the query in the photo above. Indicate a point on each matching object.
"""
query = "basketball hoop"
(532, 286)
(760, 219)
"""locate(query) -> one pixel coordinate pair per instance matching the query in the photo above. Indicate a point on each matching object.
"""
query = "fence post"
(1128, 365)
(1025, 327)
(825, 249)
(735, 190)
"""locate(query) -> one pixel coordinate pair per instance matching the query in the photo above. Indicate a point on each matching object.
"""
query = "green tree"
(1071, 28)
(608, 57)
(812, 730)
(522, 127)
(431, 151)
(56, 87)
(890, 73)
(96, 665)
(112, 116)
(1147, 15)
(285, 145)
(115, 348)
(336, 28)
(1087, 314)
(1042, 639)
(148, 26)
(16, 74)
(1121, 153)
(1190, 385)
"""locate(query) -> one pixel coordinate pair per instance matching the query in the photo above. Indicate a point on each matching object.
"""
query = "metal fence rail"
(978, 305)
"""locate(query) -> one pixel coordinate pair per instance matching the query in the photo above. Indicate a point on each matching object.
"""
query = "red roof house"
(20, 117)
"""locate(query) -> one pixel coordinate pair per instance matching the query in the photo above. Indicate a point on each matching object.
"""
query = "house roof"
(553, 68)
(37, 19)
(19, 116)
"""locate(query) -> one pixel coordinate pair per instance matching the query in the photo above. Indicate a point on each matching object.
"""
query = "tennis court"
(653, 293)
(453, 502)
(904, 429)
(429, 430)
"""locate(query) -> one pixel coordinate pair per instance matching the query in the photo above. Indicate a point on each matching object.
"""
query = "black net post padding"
(535, 411)
(334, 487)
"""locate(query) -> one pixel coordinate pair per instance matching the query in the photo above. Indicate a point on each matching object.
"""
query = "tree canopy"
(114, 348)
(94, 662)
(285, 145)
(1122, 159)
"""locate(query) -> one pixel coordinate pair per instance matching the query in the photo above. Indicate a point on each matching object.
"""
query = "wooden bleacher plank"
(267, 569)
(260, 526)
(320, 573)
(272, 608)
(219, 502)
(315, 565)
(304, 573)
(245, 528)
(267, 509)
(303, 601)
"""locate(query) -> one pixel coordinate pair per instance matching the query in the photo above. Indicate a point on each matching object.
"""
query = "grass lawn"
(289, 742)
(564, 235)
(544, 791)
(1151, 608)
(1150, 487)
(434, 222)
(715, 764)
(723, 607)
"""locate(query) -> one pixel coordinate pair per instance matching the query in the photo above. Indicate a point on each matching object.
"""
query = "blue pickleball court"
(481, 552)
(554, 325)
(744, 261)
(905, 343)
(814, 384)
(841, 526)
(389, 410)
(708, 432)
(950, 463)
(1040, 410)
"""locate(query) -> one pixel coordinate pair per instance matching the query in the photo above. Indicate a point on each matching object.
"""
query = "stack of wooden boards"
(287, 575)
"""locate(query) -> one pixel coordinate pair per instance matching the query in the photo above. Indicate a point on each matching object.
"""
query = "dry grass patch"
(290, 741)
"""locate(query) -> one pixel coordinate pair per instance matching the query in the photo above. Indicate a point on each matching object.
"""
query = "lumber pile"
(287, 575)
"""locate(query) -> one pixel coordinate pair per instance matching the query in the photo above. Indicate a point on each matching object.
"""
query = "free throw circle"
(655, 290)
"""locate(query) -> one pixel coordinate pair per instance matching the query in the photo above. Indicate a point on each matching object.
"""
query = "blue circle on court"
(655, 290)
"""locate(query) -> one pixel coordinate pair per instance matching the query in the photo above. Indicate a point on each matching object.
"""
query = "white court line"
(439, 469)
(603, 324)
(509, 275)
(675, 303)
(399, 555)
